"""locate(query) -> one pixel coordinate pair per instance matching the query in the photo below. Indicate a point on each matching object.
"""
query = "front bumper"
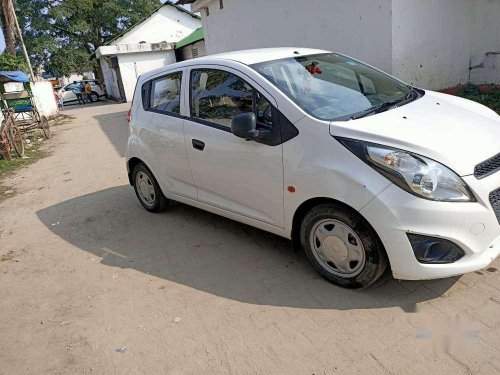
(471, 225)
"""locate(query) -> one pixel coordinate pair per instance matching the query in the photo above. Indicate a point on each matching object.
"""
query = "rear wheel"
(17, 140)
(342, 246)
(147, 189)
(94, 97)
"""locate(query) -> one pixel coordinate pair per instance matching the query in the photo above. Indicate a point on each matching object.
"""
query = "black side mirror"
(244, 125)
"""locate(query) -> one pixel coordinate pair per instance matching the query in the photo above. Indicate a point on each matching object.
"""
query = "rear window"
(166, 94)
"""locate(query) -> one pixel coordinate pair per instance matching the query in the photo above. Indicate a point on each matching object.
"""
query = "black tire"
(17, 140)
(375, 258)
(157, 203)
(94, 98)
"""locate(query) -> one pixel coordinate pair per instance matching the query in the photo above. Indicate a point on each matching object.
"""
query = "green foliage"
(489, 98)
(54, 29)
(69, 60)
(12, 62)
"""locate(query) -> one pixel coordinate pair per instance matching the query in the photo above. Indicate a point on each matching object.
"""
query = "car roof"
(247, 57)
(255, 56)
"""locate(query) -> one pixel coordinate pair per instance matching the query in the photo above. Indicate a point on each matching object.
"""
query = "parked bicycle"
(10, 136)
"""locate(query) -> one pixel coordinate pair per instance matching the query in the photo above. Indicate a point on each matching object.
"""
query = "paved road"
(187, 292)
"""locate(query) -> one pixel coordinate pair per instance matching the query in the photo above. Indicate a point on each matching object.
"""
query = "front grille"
(487, 167)
(495, 202)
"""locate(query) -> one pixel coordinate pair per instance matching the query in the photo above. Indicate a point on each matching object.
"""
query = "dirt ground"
(90, 283)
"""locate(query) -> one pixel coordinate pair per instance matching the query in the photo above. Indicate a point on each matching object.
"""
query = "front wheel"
(147, 189)
(45, 126)
(17, 140)
(94, 97)
(342, 246)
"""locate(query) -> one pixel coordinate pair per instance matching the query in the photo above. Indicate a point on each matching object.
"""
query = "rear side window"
(217, 96)
(166, 94)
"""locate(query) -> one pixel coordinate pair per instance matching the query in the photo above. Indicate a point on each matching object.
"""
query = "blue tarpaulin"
(16, 76)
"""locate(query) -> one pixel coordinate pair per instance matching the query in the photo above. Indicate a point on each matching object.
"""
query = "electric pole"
(23, 47)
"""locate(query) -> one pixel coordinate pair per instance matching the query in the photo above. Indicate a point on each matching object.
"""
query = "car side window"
(166, 94)
(217, 96)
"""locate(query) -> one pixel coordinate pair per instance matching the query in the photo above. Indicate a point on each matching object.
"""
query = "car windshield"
(333, 87)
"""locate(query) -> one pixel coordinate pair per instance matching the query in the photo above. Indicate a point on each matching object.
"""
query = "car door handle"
(199, 145)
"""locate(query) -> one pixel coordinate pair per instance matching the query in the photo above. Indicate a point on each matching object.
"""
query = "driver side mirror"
(244, 125)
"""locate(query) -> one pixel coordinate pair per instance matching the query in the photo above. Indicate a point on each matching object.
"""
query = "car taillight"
(129, 115)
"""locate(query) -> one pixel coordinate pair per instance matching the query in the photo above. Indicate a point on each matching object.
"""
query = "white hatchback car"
(69, 95)
(358, 168)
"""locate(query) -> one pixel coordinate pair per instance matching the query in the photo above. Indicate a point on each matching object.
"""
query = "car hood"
(456, 132)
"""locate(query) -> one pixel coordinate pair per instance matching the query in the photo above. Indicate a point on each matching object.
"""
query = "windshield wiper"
(383, 106)
(377, 109)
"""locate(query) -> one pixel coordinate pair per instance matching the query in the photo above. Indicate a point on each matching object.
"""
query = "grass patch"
(33, 142)
(489, 98)
(7, 257)
(32, 153)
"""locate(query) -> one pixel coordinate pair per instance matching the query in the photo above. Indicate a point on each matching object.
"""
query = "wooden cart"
(19, 98)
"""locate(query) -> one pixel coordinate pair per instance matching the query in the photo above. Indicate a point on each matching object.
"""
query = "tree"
(12, 62)
(8, 27)
(76, 28)
(70, 60)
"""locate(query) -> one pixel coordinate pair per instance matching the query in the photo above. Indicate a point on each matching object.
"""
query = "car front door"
(68, 94)
(231, 173)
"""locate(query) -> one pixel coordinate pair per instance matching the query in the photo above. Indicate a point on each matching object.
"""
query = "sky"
(2, 39)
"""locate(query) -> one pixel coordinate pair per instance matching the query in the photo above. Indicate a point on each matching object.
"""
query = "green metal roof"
(191, 38)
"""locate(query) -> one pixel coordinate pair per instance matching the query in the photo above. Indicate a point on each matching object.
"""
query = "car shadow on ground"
(207, 252)
(115, 127)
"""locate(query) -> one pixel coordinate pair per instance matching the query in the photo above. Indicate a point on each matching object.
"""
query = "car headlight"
(414, 173)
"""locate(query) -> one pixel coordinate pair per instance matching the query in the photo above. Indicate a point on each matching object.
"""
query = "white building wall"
(485, 48)
(78, 77)
(359, 28)
(134, 64)
(166, 25)
(187, 51)
(429, 43)
(137, 49)
(435, 42)
(432, 41)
